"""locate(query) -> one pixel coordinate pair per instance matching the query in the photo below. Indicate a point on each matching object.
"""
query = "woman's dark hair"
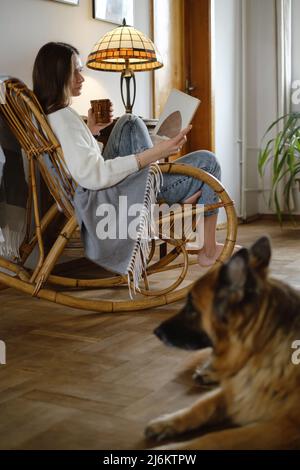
(51, 75)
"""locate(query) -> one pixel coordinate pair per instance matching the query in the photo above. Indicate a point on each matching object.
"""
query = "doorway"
(182, 32)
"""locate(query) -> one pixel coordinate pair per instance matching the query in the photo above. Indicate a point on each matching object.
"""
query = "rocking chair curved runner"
(29, 124)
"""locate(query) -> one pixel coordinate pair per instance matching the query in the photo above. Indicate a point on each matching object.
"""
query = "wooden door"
(168, 35)
(182, 32)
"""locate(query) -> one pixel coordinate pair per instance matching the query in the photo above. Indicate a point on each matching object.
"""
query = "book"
(177, 114)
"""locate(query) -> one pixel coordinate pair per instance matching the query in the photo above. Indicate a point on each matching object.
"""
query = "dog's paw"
(203, 376)
(160, 428)
(204, 379)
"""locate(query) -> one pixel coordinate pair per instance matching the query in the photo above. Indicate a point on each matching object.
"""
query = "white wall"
(226, 19)
(25, 25)
(261, 95)
(258, 79)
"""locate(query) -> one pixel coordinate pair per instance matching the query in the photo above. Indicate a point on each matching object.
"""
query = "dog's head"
(222, 303)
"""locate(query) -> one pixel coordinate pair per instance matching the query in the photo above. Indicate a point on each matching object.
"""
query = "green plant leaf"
(278, 208)
(275, 124)
(263, 157)
(283, 151)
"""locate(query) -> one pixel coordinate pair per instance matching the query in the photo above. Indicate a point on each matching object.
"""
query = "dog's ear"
(231, 284)
(233, 275)
(260, 255)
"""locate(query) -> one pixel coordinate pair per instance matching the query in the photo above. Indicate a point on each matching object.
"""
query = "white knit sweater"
(83, 155)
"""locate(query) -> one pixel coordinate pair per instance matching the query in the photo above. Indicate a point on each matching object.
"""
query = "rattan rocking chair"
(29, 124)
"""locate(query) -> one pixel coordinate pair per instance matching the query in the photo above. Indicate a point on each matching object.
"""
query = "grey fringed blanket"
(122, 213)
(13, 193)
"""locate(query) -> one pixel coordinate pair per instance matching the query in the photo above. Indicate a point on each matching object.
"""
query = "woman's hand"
(95, 127)
(163, 149)
(172, 146)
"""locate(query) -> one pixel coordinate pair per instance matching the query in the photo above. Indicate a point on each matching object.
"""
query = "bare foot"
(205, 260)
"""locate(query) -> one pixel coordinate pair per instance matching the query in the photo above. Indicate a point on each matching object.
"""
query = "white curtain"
(283, 13)
(283, 10)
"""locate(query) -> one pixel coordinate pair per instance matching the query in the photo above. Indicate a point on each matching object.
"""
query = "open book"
(177, 114)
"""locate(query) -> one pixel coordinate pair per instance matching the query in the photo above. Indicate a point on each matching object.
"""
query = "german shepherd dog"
(251, 322)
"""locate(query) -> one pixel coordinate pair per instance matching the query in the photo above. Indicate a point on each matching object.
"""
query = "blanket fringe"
(10, 242)
(138, 263)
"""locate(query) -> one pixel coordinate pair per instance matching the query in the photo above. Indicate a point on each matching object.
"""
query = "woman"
(56, 79)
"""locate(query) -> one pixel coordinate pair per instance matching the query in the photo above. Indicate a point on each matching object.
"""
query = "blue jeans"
(130, 136)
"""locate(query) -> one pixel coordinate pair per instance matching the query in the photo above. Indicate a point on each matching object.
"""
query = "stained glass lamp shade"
(125, 50)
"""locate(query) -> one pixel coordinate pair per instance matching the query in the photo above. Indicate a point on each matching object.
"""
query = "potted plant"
(282, 152)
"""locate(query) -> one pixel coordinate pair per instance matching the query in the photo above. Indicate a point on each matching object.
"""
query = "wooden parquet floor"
(80, 380)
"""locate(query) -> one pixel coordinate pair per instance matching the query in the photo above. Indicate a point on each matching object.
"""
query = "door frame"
(176, 70)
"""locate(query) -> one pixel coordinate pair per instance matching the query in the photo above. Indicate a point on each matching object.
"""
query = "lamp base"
(127, 76)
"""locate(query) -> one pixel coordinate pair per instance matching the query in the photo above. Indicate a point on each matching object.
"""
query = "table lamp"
(125, 50)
